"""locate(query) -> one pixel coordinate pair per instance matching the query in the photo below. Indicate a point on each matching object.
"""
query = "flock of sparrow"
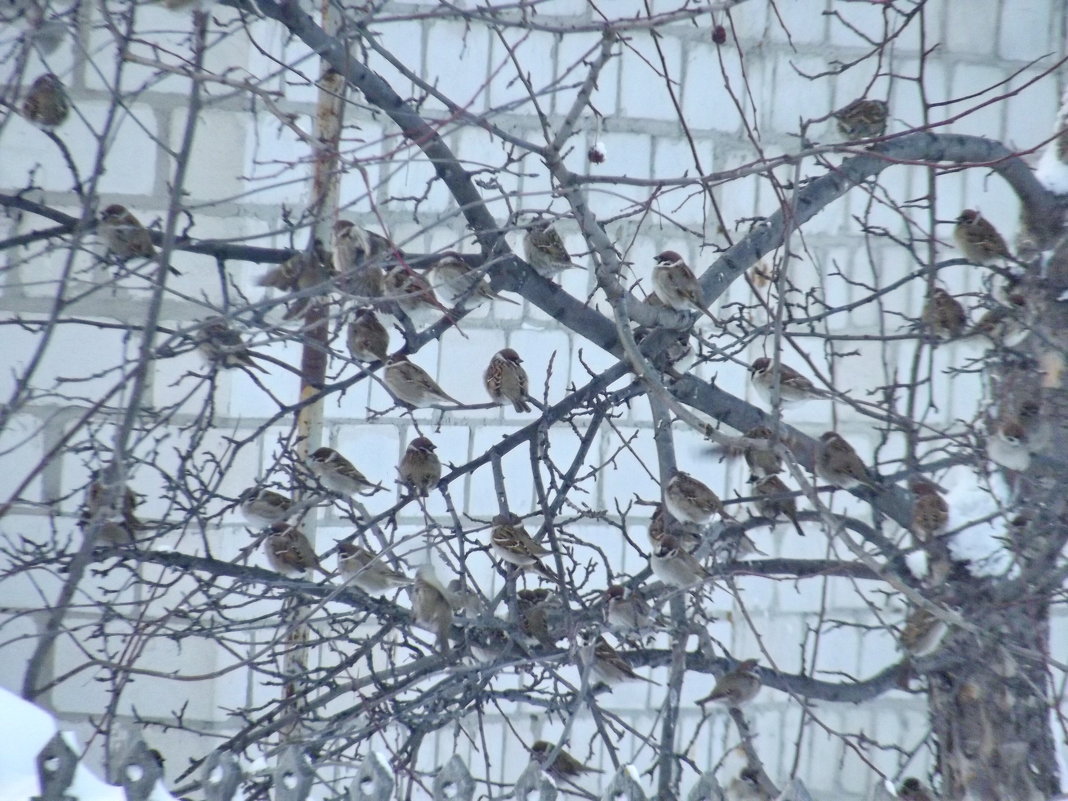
(368, 266)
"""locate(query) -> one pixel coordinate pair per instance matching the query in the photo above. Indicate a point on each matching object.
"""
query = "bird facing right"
(943, 316)
(368, 339)
(124, 235)
(412, 385)
(690, 500)
(563, 766)
(506, 380)
(368, 571)
(838, 464)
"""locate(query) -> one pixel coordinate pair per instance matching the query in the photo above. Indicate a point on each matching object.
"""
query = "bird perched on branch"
(111, 520)
(506, 380)
(420, 468)
(603, 661)
(124, 236)
(862, 119)
(943, 315)
(338, 474)
(452, 275)
(676, 285)
(1009, 446)
(412, 293)
(563, 766)
(368, 339)
(776, 499)
(359, 256)
(689, 500)
(626, 609)
(675, 566)
(368, 571)
(838, 464)
(46, 104)
(923, 632)
(794, 388)
(511, 543)
(979, 240)
(430, 606)
(411, 385)
(223, 346)
(930, 512)
(545, 249)
(263, 507)
(736, 688)
(289, 552)
(300, 273)
(761, 461)
(663, 523)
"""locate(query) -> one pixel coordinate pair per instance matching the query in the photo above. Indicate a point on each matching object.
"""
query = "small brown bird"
(263, 507)
(411, 385)
(368, 339)
(563, 766)
(626, 610)
(506, 381)
(736, 688)
(603, 661)
(46, 104)
(430, 606)
(545, 249)
(301, 273)
(676, 285)
(838, 464)
(978, 240)
(923, 633)
(746, 787)
(794, 388)
(460, 283)
(1008, 445)
(776, 499)
(1002, 326)
(420, 468)
(930, 512)
(113, 522)
(663, 523)
(674, 566)
(411, 292)
(862, 119)
(358, 259)
(537, 614)
(943, 315)
(123, 234)
(511, 543)
(221, 345)
(761, 461)
(289, 552)
(368, 571)
(912, 789)
(339, 475)
(690, 501)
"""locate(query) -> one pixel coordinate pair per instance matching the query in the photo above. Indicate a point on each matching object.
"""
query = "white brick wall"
(237, 189)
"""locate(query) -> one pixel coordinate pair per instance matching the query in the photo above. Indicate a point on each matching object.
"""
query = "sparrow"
(114, 525)
(663, 523)
(430, 606)
(46, 104)
(289, 552)
(838, 464)
(452, 275)
(367, 571)
(923, 633)
(564, 766)
(676, 285)
(338, 474)
(413, 386)
(420, 468)
(626, 610)
(368, 339)
(1001, 326)
(761, 461)
(746, 787)
(222, 345)
(736, 688)
(537, 611)
(299, 273)
(675, 566)
(358, 258)
(775, 499)
(912, 789)
(511, 543)
(794, 388)
(506, 381)
(263, 507)
(545, 249)
(603, 661)
(1008, 445)
(862, 119)
(690, 501)
(412, 293)
(978, 240)
(930, 512)
(943, 315)
(123, 234)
